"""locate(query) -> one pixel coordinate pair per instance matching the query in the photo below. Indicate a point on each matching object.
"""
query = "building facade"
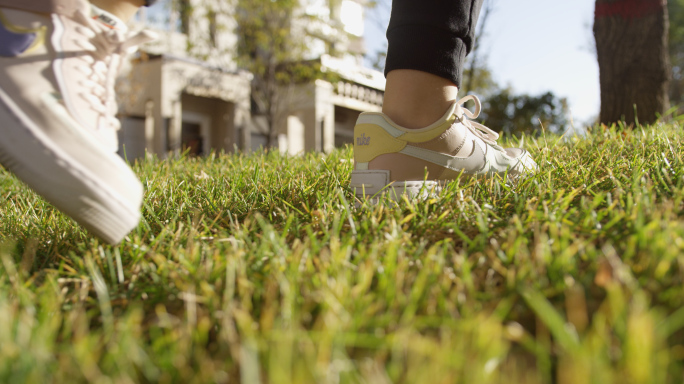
(185, 92)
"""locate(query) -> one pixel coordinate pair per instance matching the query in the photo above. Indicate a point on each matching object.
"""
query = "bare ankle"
(415, 99)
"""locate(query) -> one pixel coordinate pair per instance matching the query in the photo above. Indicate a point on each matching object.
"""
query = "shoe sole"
(27, 152)
(372, 186)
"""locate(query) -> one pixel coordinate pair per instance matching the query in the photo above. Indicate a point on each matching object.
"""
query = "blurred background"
(529, 46)
(294, 75)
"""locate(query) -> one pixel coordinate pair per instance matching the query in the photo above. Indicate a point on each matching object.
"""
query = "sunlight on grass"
(259, 268)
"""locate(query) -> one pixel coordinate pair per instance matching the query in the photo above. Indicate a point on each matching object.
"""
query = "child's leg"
(424, 137)
(428, 43)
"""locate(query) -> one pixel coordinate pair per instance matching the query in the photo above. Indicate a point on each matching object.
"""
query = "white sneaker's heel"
(369, 183)
(375, 184)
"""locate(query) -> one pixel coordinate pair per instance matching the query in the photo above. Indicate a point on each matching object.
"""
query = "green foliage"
(264, 34)
(508, 113)
(303, 72)
(514, 114)
(270, 50)
(503, 110)
(480, 80)
(264, 43)
(258, 268)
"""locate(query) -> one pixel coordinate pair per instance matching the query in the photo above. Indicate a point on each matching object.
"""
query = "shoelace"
(479, 130)
(107, 47)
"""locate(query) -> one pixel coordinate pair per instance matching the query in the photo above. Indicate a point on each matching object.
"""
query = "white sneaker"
(393, 160)
(57, 116)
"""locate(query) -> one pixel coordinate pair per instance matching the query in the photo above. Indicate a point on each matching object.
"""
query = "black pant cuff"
(426, 49)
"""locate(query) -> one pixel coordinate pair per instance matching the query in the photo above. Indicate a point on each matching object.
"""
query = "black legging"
(432, 36)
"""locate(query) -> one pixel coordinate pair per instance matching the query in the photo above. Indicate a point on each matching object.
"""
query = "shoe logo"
(363, 140)
(14, 40)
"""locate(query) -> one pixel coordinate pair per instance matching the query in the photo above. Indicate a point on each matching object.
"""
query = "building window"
(192, 141)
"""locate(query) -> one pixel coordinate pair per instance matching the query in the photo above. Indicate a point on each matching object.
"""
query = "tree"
(272, 45)
(264, 43)
(477, 76)
(631, 43)
(513, 114)
(478, 80)
(503, 110)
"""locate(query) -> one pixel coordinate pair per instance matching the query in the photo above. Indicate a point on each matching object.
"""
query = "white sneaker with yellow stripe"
(393, 160)
(58, 125)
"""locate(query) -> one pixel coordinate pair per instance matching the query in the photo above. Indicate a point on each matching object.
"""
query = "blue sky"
(534, 46)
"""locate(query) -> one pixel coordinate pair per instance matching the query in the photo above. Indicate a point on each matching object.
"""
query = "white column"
(176, 127)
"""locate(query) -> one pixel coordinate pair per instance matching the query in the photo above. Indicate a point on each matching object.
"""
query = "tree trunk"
(631, 43)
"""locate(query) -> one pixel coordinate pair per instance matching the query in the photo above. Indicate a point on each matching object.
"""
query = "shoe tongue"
(107, 19)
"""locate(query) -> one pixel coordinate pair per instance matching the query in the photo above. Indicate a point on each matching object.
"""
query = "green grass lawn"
(259, 268)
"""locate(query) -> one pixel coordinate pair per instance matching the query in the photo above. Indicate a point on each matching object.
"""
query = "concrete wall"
(220, 113)
(160, 89)
(132, 138)
(315, 106)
